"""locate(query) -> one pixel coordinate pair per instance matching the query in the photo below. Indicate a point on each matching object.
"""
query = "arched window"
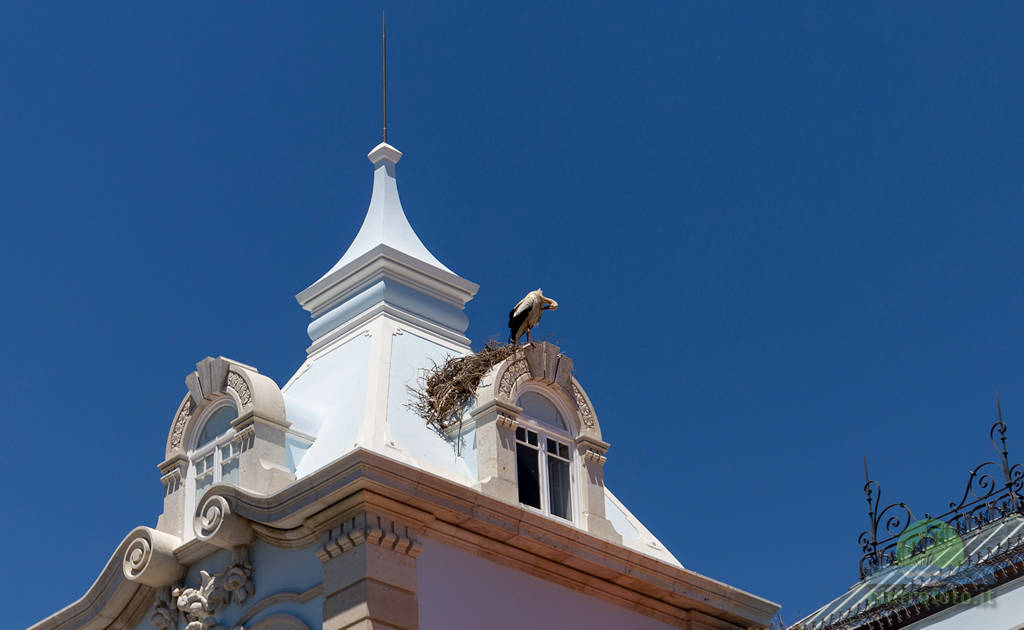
(543, 456)
(214, 458)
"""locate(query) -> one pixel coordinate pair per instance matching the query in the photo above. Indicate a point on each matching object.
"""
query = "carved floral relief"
(199, 604)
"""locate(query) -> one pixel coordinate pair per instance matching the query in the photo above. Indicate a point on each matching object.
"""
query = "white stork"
(526, 314)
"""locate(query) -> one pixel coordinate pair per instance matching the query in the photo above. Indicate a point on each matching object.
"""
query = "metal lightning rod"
(384, 74)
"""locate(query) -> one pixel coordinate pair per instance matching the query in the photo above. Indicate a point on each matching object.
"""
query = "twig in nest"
(445, 390)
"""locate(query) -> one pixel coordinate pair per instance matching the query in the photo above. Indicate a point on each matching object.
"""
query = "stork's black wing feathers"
(515, 321)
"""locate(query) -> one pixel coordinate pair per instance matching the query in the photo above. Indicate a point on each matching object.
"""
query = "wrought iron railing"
(993, 491)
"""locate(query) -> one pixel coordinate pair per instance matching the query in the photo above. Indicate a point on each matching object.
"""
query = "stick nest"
(445, 390)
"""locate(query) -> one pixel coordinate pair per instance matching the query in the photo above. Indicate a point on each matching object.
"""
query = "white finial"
(385, 222)
(384, 152)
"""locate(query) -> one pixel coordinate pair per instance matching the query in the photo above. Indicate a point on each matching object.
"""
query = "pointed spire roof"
(385, 222)
(387, 267)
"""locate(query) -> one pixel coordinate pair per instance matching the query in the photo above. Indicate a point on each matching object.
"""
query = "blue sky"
(782, 237)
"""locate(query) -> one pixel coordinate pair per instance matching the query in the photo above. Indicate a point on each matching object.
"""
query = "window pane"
(528, 475)
(229, 471)
(521, 434)
(531, 437)
(558, 478)
(553, 447)
(563, 450)
(539, 408)
(217, 424)
(203, 482)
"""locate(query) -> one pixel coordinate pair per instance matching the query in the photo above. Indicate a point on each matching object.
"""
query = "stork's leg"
(528, 336)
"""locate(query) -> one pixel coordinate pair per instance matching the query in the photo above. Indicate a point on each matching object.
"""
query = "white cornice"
(377, 263)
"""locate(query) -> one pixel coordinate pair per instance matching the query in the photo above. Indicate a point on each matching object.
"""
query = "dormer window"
(214, 459)
(543, 462)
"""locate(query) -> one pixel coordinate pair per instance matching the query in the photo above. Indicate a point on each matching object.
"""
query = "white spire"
(387, 268)
(385, 222)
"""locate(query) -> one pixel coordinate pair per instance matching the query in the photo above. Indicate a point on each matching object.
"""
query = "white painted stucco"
(411, 354)
(385, 221)
(328, 401)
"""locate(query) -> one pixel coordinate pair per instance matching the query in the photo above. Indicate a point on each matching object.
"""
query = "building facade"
(328, 502)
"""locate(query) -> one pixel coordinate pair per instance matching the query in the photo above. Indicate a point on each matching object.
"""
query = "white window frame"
(545, 432)
(229, 439)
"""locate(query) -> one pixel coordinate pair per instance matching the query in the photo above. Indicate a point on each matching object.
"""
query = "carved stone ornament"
(237, 383)
(178, 431)
(506, 421)
(199, 604)
(149, 558)
(165, 613)
(545, 364)
(586, 413)
(215, 523)
(374, 529)
(512, 374)
(213, 381)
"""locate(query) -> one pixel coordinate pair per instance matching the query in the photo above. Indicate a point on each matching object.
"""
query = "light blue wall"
(274, 571)
(619, 520)
(410, 355)
(328, 401)
(395, 294)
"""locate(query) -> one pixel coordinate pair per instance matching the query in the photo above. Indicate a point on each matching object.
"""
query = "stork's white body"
(526, 314)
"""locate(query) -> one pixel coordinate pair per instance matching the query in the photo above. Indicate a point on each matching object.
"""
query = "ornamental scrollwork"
(511, 375)
(199, 604)
(178, 430)
(237, 383)
(581, 403)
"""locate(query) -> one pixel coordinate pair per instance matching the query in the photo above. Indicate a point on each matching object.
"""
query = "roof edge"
(452, 514)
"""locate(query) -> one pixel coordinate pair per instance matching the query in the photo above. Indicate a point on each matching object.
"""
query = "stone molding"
(506, 422)
(544, 363)
(387, 280)
(374, 529)
(254, 395)
(501, 532)
(369, 564)
(149, 558)
(259, 432)
(279, 621)
(301, 514)
(112, 600)
(282, 597)
(539, 367)
(216, 524)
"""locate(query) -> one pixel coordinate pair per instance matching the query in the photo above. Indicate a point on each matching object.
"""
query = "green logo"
(929, 542)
